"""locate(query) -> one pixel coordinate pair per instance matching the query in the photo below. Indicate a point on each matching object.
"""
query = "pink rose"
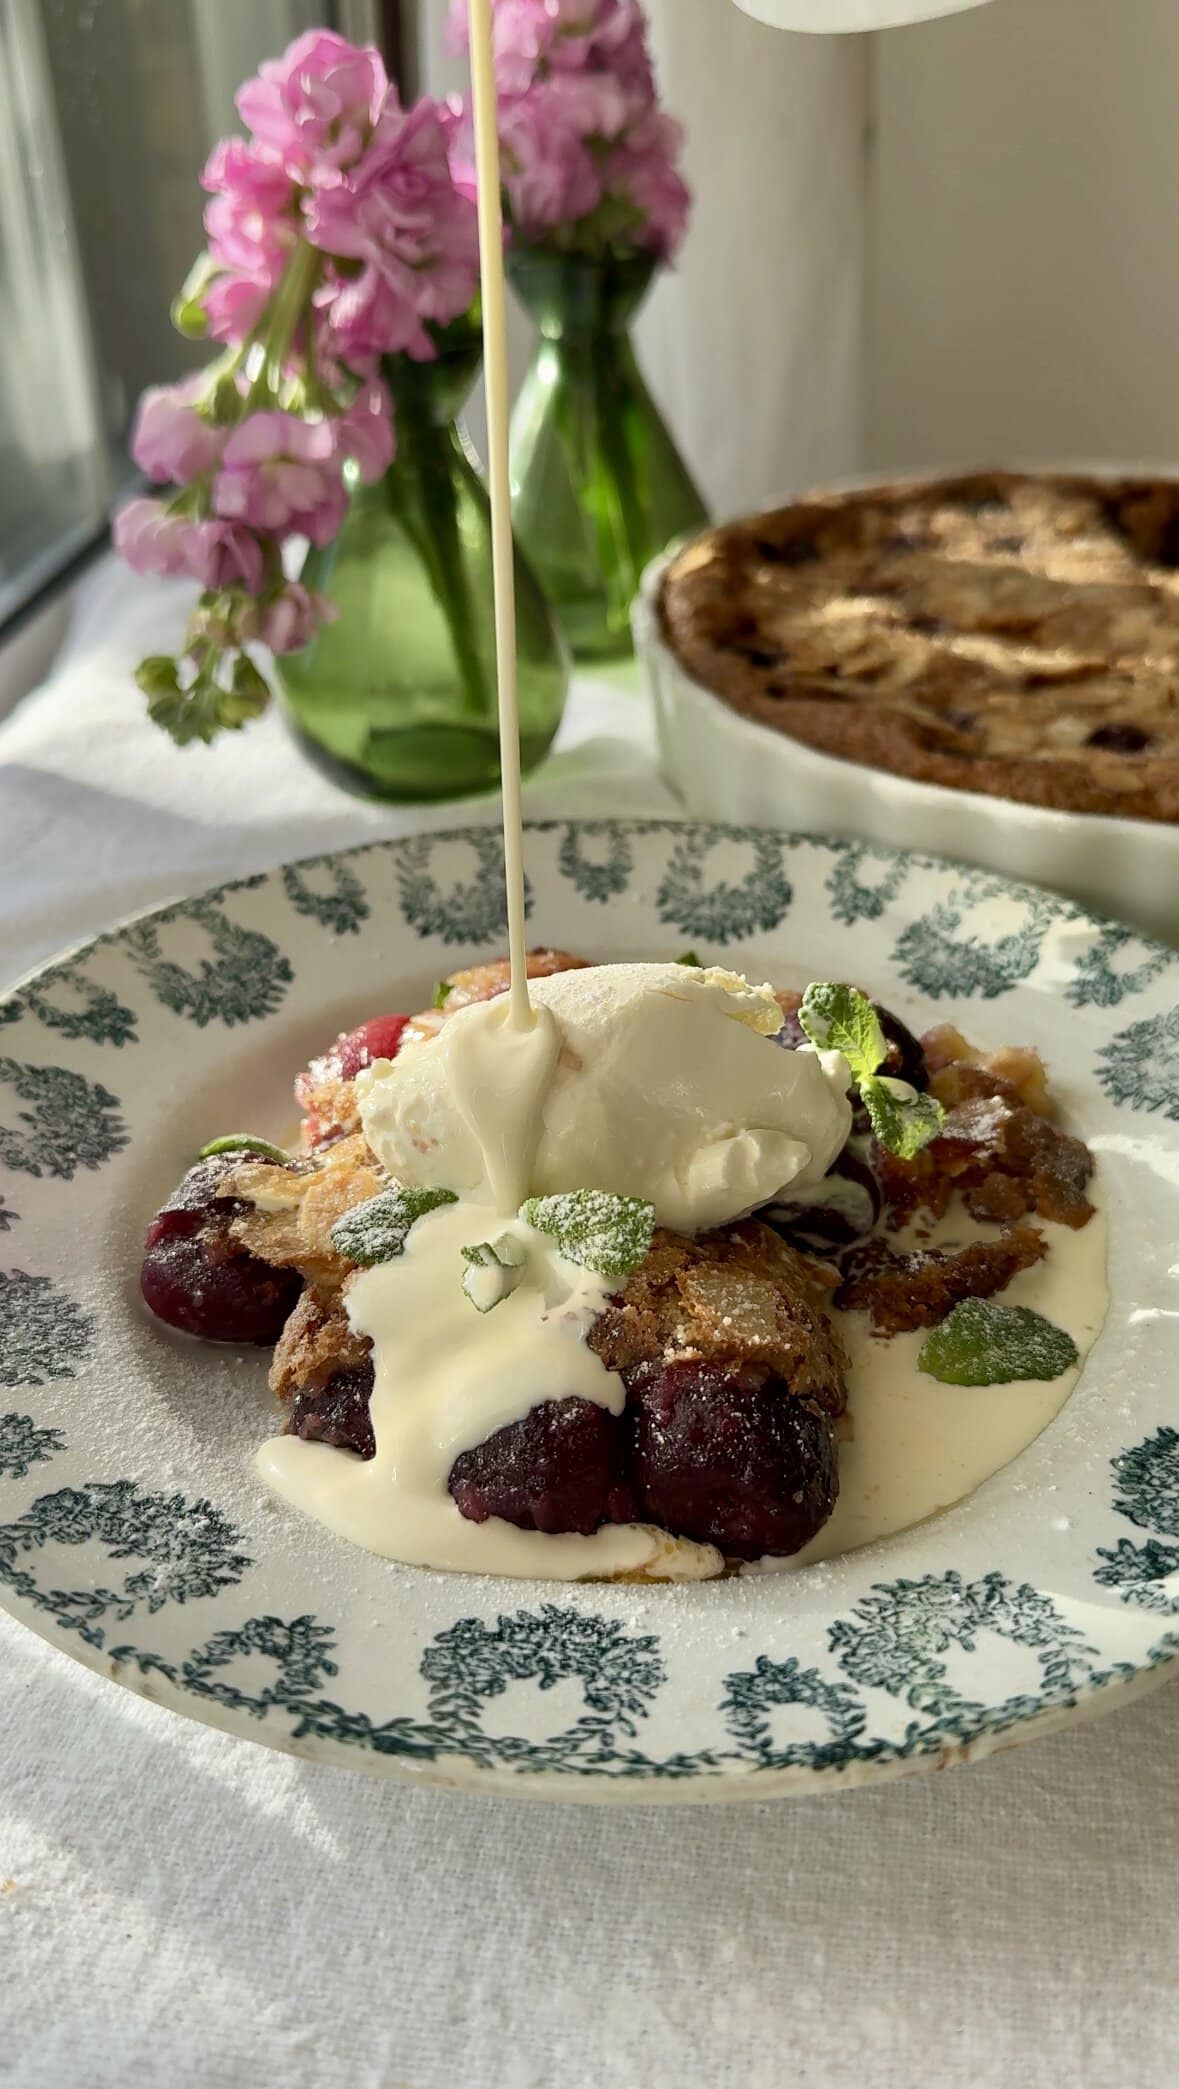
(281, 475)
(315, 107)
(154, 539)
(170, 439)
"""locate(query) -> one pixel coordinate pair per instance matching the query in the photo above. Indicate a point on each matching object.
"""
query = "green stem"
(612, 389)
(280, 321)
(422, 488)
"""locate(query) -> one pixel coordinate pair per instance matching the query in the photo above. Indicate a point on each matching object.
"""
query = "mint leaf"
(245, 1142)
(610, 1235)
(980, 1343)
(442, 993)
(903, 1123)
(377, 1230)
(494, 1268)
(689, 957)
(841, 1019)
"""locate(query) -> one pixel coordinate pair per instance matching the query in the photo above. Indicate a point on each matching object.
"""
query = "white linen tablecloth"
(177, 1906)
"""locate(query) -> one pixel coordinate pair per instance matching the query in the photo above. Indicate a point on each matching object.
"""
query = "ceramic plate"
(134, 1535)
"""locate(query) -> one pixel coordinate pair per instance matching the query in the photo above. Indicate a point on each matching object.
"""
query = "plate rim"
(748, 1781)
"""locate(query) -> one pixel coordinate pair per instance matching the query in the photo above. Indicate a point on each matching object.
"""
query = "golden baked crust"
(734, 1297)
(998, 633)
(317, 1341)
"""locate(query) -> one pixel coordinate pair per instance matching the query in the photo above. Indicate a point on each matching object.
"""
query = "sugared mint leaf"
(841, 1019)
(494, 1268)
(610, 1235)
(377, 1231)
(245, 1143)
(980, 1343)
(904, 1122)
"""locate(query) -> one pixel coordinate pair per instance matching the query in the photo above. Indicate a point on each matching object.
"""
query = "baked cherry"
(196, 1277)
(905, 1060)
(832, 1214)
(560, 1469)
(730, 1458)
(376, 1039)
(337, 1413)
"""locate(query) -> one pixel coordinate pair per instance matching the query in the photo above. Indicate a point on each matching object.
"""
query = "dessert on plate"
(1002, 633)
(755, 1274)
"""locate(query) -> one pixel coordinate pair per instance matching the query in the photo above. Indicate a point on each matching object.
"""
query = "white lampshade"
(842, 17)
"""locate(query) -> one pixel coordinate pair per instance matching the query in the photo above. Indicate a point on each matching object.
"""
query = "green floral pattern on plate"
(57, 1122)
(151, 1559)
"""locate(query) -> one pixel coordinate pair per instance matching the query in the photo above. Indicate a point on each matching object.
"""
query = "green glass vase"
(397, 698)
(599, 487)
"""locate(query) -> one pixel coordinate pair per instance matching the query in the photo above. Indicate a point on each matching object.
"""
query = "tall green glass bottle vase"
(599, 487)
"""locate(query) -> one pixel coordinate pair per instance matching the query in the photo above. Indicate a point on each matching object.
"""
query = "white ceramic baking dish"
(726, 767)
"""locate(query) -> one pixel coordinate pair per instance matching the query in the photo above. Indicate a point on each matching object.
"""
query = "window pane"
(107, 111)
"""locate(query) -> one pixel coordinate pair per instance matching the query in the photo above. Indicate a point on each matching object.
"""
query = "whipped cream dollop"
(657, 1081)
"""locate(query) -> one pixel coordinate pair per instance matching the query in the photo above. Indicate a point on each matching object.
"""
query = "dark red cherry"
(337, 1413)
(559, 1469)
(209, 1286)
(905, 1060)
(832, 1214)
(730, 1458)
(199, 1279)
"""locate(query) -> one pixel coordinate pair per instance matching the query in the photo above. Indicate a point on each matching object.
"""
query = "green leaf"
(244, 1142)
(378, 1230)
(840, 1019)
(903, 1123)
(610, 1235)
(493, 1272)
(442, 993)
(980, 1343)
(207, 705)
(689, 957)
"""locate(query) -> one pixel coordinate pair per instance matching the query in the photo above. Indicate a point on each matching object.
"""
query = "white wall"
(1023, 247)
(753, 345)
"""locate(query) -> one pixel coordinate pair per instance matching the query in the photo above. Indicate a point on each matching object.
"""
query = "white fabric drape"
(753, 343)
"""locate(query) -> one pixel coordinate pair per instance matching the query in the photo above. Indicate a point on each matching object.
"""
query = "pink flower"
(286, 621)
(400, 214)
(154, 539)
(365, 432)
(233, 306)
(550, 174)
(643, 171)
(281, 475)
(580, 125)
(252, 225)
(315, 107)
(170, 439)
(251, 220)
